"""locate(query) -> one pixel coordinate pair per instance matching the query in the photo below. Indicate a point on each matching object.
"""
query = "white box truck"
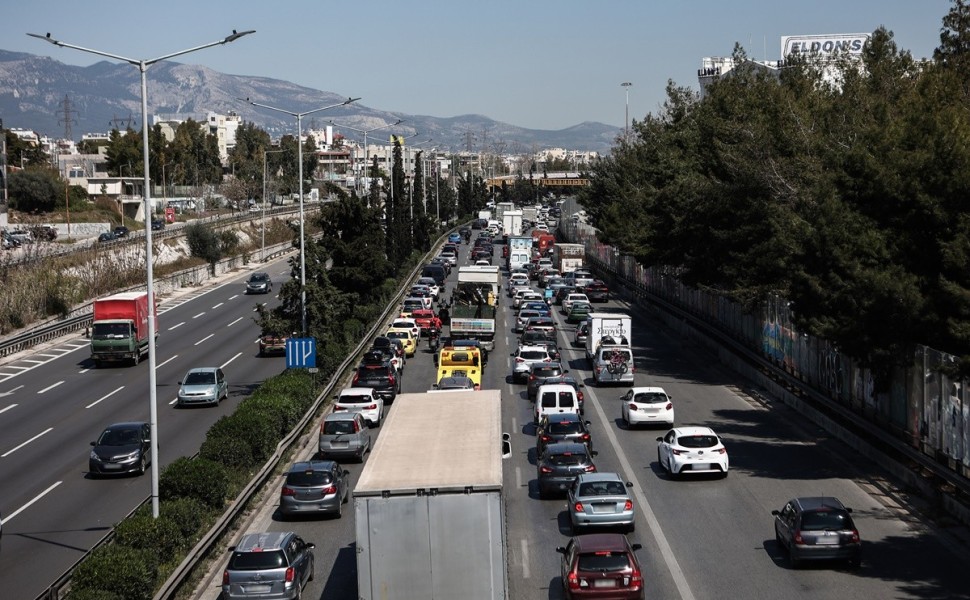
(607, 325)
(512, 223)
(428, 504)
(472, 314)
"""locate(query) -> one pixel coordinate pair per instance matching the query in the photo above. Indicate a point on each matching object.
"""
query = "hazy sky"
(539, 64)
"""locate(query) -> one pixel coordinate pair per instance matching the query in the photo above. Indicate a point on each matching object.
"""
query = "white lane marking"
(217, 306)
(518, 477)
(223, 365)
(48, 355)
(36, 498)
(204, 339)
(36, 362)
(525, 558)
(199, 315)
(157, 367)
(18, 367)
(236, 321)
(83, 371)
(176, 326)
(676, 573)
(105, 396)
(3, 410)
(11, 391)
(234, 296)
(174, 401)
(9, 452)
(281, 272)
(50, 387)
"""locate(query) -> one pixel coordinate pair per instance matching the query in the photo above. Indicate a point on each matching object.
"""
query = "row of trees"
(847, 198)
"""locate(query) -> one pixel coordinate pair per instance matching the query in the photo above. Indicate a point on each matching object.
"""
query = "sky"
(538, 64)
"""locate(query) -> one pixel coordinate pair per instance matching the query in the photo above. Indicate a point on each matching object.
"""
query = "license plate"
(604, 583)
(111, 466)
(830, 539)
(604, 508)
(340, 444)
(258, 589)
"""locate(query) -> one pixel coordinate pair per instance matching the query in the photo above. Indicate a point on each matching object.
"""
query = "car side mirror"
(594, 453)
(848, 510)
(94, 443)
(587, 422)
(635, 547)
(180, 383)
(506, 445)
(311, 545)
(660, 439)
(231, 549)
(561, 549)
(776, 512)
(336, 396)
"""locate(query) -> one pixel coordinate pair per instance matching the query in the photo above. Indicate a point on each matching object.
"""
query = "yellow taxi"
(407, 338)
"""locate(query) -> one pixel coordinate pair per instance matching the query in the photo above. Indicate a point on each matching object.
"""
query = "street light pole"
(299, 142)
(150, 286)
(262, 252)
(366, 148)
(626, 123)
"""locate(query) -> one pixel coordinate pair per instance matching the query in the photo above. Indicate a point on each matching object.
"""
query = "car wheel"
(310, 576)
(855, 563)
(141, 466)
(625, 419)
(340, 510)
(631, 528)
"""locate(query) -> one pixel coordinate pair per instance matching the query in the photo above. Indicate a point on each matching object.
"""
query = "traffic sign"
(301, 353)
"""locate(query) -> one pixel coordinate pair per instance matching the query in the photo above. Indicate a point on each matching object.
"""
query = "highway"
(53, 402)
(704, 538)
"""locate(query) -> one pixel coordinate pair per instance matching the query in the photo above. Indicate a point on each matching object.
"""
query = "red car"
(601, 565)
(423, 317)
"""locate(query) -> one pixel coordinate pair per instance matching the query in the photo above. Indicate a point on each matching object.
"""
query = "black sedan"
(560, 464)
(121, 448)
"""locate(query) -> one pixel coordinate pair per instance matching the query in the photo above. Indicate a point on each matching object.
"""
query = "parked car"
(158, 224)
(203, 385)
(646, 406)
(817, 528)
(600, 500)
(22, 236)
(562, 427)
(363, 400)
(560, 464)
(344, 434)
(44, 232)
(259, 283)
(601, 565)
(315, 487)
(268, 565)
(121, 448)
(692, 450)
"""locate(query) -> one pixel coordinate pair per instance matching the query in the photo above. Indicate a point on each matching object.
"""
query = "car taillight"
(590, 468)
(578, 507)
(633, 406)
(371, 407)
(854, 536)
(225, 577)
(287, 491)
(546, 438)
(545, 469)
(519, 359)
(391, 379)
(669, 406)
(356, 378)
(330, 490)
(290, 574)
(628, 505)
(532, 377)
(676, 452)
(580, 396)
(584, 437)
(636, 578)
(797, 537)
(722, 451)
(336, 408)
(597, 369)
(573, 581)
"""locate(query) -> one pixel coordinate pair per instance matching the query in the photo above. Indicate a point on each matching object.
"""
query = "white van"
(555, 398)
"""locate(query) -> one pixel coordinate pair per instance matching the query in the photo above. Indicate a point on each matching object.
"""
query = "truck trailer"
(119, 331)
(520, 251)
(473, 304)
(607, 325)
(568, 257)
(512, 223)
(429, 509)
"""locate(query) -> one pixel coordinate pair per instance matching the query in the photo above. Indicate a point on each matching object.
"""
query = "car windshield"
(308, 478)
(199, 378)
(602, 488)
(650, 398)
(533, 355)
(119, 437)
(567, 460)
(546, 371)
(398, 335)
(354, 399)
(337, 427)
(820, 520)
(259, 278)
(257, 561)
(564, 428)
(697, 441)
(107, 331)
(603, 562)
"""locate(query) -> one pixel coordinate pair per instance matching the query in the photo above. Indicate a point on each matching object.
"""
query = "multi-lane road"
(53, 403)
(707, 538)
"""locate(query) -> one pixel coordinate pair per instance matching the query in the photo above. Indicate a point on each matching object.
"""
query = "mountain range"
(106, 95)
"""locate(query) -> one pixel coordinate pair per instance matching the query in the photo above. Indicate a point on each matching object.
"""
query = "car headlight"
(131, 456)
(94, 456)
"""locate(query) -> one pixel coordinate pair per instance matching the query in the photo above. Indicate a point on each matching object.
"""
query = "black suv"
(559, 465)
(378, 375)
(538, 372)
(562, 427)
(817, 528)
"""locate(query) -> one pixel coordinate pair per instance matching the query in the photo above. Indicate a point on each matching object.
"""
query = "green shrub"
(92, 594)
(162, 535)
(227, 450)
(127, 572)
(248, 427)
(282, 412)
(188, 513)
(198, 478)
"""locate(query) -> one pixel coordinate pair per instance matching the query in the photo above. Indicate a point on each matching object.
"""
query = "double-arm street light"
(142, 68)
(299, 142)
(365, 132)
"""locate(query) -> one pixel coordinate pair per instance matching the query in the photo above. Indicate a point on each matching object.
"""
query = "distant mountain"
(106, 95)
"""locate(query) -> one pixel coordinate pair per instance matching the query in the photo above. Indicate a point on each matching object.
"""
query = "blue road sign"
(301, 353)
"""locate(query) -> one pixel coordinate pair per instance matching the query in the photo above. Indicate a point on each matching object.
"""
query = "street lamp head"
(236, 35)
(348, 101)
(46, 38)
(626, 84)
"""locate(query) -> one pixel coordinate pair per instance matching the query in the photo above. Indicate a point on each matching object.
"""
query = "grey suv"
(344, 434)
(315, 487)
(268, 565)
(817, 528)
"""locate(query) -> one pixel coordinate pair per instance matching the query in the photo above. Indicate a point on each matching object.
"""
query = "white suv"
(569, 300)
(524, 357)
(363, 400)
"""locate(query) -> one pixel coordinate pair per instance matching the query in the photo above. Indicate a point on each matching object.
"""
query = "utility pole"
(3, 175)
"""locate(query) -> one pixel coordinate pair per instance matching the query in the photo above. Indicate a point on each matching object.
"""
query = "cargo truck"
(544, 242)
(529, 214)
(119, 332)
(520, 251)
(568, 257)
(607, 325)
(429, 506)
(501, 208)
(473, 304)
(512, 223)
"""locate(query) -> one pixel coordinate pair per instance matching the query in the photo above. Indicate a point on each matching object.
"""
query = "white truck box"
(615, 325)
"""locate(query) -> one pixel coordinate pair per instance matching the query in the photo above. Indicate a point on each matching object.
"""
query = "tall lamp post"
(365, 132)
(143, 68)
(626, 122)
(262, 251)
(299, 143)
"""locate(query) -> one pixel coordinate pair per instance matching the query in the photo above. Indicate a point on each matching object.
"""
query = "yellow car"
(407, 338)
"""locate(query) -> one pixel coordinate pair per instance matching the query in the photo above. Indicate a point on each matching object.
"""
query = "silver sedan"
(600, 500)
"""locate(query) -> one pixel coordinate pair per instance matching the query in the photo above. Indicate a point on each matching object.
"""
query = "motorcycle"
(433, 339)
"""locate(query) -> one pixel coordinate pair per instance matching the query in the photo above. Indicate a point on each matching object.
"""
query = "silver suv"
(268, 565)
(344, 434)
(613, 365)
(524, 357)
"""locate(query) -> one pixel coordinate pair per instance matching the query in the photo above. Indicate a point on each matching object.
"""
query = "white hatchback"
(570, 299)
(692, 450)
(410, 324)
(646, 406)
(363, 400)
(519, 279)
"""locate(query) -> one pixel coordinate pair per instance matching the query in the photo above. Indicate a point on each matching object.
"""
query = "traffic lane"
(772, 461)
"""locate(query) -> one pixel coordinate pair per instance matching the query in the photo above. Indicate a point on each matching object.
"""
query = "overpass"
(561, 179)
